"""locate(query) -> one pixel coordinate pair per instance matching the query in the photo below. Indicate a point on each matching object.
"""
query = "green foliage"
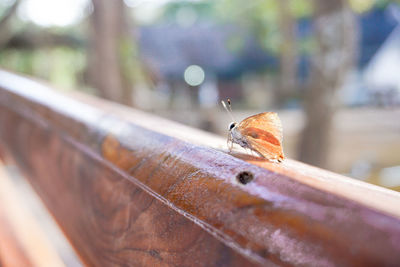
(129, 59)
(262, 18)
(202, 9)
(306, 45)
(63, 67)
(301, 8)
(66, 67)
(361, 6)
(384, 3)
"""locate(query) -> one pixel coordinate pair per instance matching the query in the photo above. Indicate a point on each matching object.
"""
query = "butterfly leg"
(247, 150)
(229, 142)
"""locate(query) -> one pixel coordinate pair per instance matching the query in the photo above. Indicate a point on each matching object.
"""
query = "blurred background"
(331, 69)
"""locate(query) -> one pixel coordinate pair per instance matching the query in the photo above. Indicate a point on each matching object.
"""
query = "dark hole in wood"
(245, 177)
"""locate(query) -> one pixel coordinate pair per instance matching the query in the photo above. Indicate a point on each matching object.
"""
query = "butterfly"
(261, 133)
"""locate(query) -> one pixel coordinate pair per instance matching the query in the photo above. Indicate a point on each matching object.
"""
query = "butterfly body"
(261, 133)
(237, 137)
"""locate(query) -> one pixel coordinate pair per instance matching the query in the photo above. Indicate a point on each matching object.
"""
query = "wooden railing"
(131, 189)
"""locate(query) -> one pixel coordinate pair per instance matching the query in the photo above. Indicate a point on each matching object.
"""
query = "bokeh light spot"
(194, 75)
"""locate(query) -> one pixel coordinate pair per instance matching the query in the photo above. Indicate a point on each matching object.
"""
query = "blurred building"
(224, 52)
(376, 81)
(381, 76)
(228, 53)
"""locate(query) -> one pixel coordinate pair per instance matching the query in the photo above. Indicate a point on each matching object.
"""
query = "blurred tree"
(108, 53)
(5, 33)
(274, 23)
(288, 53)
(335, 34)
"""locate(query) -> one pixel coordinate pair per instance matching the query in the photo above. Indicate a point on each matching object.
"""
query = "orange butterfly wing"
(263, 133)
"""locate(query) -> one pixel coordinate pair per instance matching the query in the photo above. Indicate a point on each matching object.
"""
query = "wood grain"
(127, 193)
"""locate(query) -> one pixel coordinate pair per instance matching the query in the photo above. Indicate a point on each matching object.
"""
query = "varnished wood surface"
(367, 194)
(130, 189)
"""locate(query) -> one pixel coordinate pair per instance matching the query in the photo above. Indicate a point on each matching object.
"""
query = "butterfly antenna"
(229, 105)
(228, 110)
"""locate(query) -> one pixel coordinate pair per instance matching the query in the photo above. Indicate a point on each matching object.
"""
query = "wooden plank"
(12, 253)
(23, 241)
(376, 197)
(129, 188)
